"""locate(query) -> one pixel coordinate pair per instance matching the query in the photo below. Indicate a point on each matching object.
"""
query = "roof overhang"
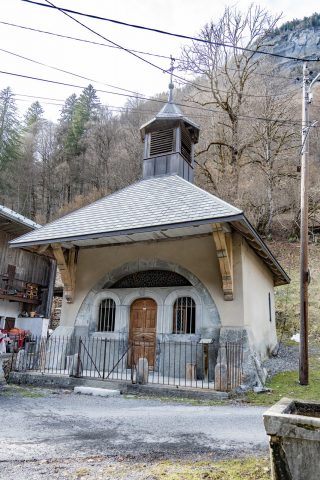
(171, 231)
(135, 234)
(15, 224)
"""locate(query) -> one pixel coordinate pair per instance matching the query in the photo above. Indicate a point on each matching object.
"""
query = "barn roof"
(14, 223)
(151, 209)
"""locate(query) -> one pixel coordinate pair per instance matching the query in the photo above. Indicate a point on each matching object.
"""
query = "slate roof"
(166, 201)
(170, 111)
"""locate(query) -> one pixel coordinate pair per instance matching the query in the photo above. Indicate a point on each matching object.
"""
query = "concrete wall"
(257, 286)
(247, 316)
(9, 309)
(37, 326)
(195, 256)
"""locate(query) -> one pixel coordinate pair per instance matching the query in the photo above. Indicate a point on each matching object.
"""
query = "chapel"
(163, 259)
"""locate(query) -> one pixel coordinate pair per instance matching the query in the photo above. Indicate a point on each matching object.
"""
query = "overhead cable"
(66, 71)
(137, 97)
(164, 32)
(81, 39)
(68, 37)
(205, 89)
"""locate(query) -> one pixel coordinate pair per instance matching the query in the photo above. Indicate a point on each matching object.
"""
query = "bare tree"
(224, 73)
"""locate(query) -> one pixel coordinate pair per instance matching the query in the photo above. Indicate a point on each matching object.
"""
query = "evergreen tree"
(31, 157)
(86, 109)
(34, 114)
(9, 128)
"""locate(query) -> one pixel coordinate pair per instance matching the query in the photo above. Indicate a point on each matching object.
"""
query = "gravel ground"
(57, 435)
(287, 359)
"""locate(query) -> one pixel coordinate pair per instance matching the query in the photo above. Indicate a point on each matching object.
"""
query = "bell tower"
(169, 140)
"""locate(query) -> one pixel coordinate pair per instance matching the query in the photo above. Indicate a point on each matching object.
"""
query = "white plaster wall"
(9, 309)
(37, 326)
(257, 284)
(196, 255)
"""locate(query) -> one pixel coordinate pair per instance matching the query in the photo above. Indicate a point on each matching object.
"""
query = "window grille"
(107, 315)
(184, 315)
(151, 278)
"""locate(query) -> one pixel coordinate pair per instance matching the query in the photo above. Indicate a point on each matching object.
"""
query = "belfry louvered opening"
(107, 315)
(186, 145)
(162, 142)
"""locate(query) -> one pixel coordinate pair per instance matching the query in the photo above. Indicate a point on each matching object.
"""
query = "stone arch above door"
(208, 307)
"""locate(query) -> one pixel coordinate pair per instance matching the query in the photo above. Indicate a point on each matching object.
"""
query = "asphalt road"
(65, 425)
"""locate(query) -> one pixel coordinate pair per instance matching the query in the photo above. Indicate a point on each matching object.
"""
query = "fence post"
(104, 357)
(79, 359)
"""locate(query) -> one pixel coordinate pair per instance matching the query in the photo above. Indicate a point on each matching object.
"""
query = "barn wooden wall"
(30, 267)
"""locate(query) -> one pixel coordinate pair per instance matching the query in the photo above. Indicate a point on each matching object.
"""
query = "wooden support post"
(66, 262)
(223, 243)
(42, 249)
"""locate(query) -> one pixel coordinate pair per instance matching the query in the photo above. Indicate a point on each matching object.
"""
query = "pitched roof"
(16, 217)
(151, 209)
(170, 111)
(166, 201)
(14, 223)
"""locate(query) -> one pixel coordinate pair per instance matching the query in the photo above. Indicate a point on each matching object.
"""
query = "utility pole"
(304, 233)
(304, 267)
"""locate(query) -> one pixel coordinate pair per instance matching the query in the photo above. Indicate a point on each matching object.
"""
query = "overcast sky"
(102, 64)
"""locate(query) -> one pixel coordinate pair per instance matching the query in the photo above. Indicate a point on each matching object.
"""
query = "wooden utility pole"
(304, 267)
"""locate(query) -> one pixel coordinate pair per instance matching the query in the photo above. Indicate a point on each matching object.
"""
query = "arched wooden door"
(143, 327)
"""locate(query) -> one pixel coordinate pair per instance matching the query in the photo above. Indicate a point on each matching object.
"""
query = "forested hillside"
(248, 106)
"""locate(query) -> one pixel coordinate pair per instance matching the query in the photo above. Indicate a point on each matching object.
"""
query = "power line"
(137, 97)
(164, 32)
(66, 71)
(113, 86)
(37, 97)
(81, 39)
(136, 51)
(102, 36)
(128, 51)
(118, 107)
(43, 103)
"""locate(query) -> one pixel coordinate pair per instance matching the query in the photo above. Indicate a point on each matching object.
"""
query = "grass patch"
(287, 297)
(250, 468)
(26, 392)
(181, 400)
(286, 384)
(253, 468)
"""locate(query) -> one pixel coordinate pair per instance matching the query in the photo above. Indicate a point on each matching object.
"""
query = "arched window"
(184, 315)
(107, 315)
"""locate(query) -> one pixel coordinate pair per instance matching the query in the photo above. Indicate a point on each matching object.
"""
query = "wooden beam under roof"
(223, 243)
(66, 262)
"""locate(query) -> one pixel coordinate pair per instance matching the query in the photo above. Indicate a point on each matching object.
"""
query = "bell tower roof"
(170, 111)
(169, 140)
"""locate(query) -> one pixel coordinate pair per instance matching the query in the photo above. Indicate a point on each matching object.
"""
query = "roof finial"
(171, 86)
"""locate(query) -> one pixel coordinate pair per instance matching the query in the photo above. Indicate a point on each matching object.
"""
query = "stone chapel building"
(163, 258)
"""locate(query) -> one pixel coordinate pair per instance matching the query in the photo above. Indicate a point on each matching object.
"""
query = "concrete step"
(97, 392)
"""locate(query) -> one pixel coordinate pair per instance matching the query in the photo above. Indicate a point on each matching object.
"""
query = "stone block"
(293, 427)
(75, 365)
(221, 377)
(142, 371)
(191, 371)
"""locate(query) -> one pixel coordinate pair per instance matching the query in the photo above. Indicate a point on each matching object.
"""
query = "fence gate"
(176, 363)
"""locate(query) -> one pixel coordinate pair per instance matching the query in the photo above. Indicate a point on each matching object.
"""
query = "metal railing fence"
(166, 361)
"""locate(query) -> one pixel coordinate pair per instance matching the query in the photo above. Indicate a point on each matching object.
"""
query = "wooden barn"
(26, 278)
